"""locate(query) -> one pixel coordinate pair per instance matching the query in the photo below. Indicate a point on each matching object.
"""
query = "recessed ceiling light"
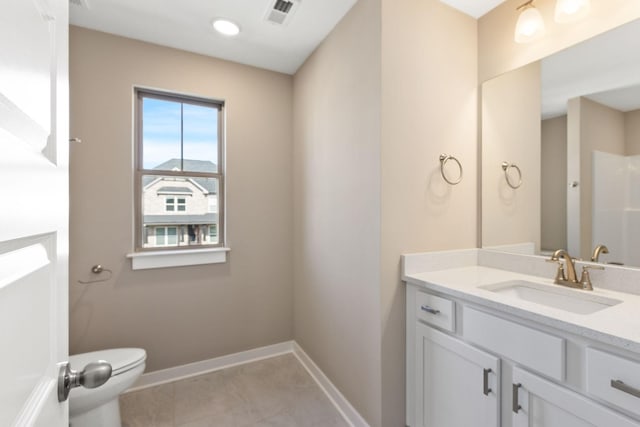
(226, 27)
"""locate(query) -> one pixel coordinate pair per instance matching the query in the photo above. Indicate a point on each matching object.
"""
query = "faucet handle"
(585, 279)
(560, 272)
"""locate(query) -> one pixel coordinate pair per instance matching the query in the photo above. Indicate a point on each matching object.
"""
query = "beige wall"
(429, 107)
(511, 132)
(405, 107)
(632, 132)
(554, 180)
(179, 315)
(337, 207)
(599, 128)
(499, 53)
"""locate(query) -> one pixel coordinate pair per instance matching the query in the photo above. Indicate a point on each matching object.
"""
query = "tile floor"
(271, 392)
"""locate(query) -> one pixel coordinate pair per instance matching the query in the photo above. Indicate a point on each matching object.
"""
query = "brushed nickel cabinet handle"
(485, 382)
(515, 406)
(619, 385)
(429, 309)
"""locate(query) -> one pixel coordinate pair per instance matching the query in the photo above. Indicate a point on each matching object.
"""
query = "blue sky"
(161, 132)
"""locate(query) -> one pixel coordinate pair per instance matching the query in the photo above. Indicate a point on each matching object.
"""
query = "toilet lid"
(121, 359)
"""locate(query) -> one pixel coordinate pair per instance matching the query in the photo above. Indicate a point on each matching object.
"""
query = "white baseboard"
(198, 368)
(348, 412)
(341, 403)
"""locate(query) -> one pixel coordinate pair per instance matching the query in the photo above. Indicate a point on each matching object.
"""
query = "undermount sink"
(571, 300)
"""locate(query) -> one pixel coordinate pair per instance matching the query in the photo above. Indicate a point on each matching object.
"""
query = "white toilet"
(99, 407)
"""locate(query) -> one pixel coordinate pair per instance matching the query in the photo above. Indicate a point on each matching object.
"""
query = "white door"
(540, 403)
(457, 384)
(33, 210)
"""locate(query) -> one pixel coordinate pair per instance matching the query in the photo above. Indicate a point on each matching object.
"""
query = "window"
(213, 233)
(176, 205)
(166, 236)
(179, 173)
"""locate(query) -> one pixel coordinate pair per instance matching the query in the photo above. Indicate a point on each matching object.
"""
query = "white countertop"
(618, 325)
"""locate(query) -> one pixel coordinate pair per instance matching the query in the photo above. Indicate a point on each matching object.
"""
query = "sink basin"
(554, 296)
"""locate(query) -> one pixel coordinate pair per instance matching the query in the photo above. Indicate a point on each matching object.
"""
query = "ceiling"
(186, 25)
(605, 69)
(475, 8)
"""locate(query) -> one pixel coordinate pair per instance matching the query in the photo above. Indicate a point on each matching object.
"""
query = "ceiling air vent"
(281, 11)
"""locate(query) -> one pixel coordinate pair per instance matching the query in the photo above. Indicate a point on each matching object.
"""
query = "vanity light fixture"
(530, 25)
(571, 10)
(226, 27)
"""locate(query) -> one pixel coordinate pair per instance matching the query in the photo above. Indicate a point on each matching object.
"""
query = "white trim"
(198, 368)
(342, 405)
(177, 258)
(348, 412)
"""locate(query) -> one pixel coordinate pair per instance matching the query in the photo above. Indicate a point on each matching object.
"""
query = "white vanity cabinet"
(537, 402)
(458, 384)
(470, 366)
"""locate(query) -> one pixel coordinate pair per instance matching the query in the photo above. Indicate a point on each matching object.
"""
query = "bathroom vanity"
(491, 341)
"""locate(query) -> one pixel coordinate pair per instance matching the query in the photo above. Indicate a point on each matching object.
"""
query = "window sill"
(177, 258)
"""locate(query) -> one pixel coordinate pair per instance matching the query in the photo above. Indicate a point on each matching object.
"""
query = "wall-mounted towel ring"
(505, 167)
(98, 269)
(444, 158)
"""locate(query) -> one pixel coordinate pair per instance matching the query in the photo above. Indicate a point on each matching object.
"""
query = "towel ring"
(98, 269)
(444, 158)
(505, 167)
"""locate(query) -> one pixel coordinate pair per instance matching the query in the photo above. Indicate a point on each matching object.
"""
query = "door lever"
(93, 375)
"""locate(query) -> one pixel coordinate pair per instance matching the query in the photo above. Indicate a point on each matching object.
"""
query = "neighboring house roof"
(210, 185)
(175, 190)
(188, 165)
(208, 218)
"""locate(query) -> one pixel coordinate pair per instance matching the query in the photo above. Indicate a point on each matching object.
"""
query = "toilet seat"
(121, 359)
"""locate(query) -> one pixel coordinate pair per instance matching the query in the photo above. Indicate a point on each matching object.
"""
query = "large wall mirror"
(561, 152)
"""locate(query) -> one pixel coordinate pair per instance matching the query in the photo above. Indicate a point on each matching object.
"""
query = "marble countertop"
(618, 325)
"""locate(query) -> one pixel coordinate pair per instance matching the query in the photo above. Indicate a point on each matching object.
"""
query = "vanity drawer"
(436, 311)
(614, 379)
(528, 347)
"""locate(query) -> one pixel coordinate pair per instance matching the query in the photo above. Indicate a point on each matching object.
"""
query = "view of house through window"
(178, 175)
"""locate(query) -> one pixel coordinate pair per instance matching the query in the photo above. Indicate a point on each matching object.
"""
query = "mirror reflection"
(571, 123)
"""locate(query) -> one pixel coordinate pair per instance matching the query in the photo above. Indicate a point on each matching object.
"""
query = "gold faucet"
(571, 279)
(600, 249)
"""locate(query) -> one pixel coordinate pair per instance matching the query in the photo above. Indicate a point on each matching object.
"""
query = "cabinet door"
(457, 385)
(540, 403)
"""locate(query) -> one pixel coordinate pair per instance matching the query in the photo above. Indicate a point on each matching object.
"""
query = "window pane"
(161, 134)
(213, 234)
(160, 236)
(172, 236)
(200, 138)
(188, 221)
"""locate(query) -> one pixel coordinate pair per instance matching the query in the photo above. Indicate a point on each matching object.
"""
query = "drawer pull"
(485, 382)
(429, 309)
(619, 385)
(515, 406)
